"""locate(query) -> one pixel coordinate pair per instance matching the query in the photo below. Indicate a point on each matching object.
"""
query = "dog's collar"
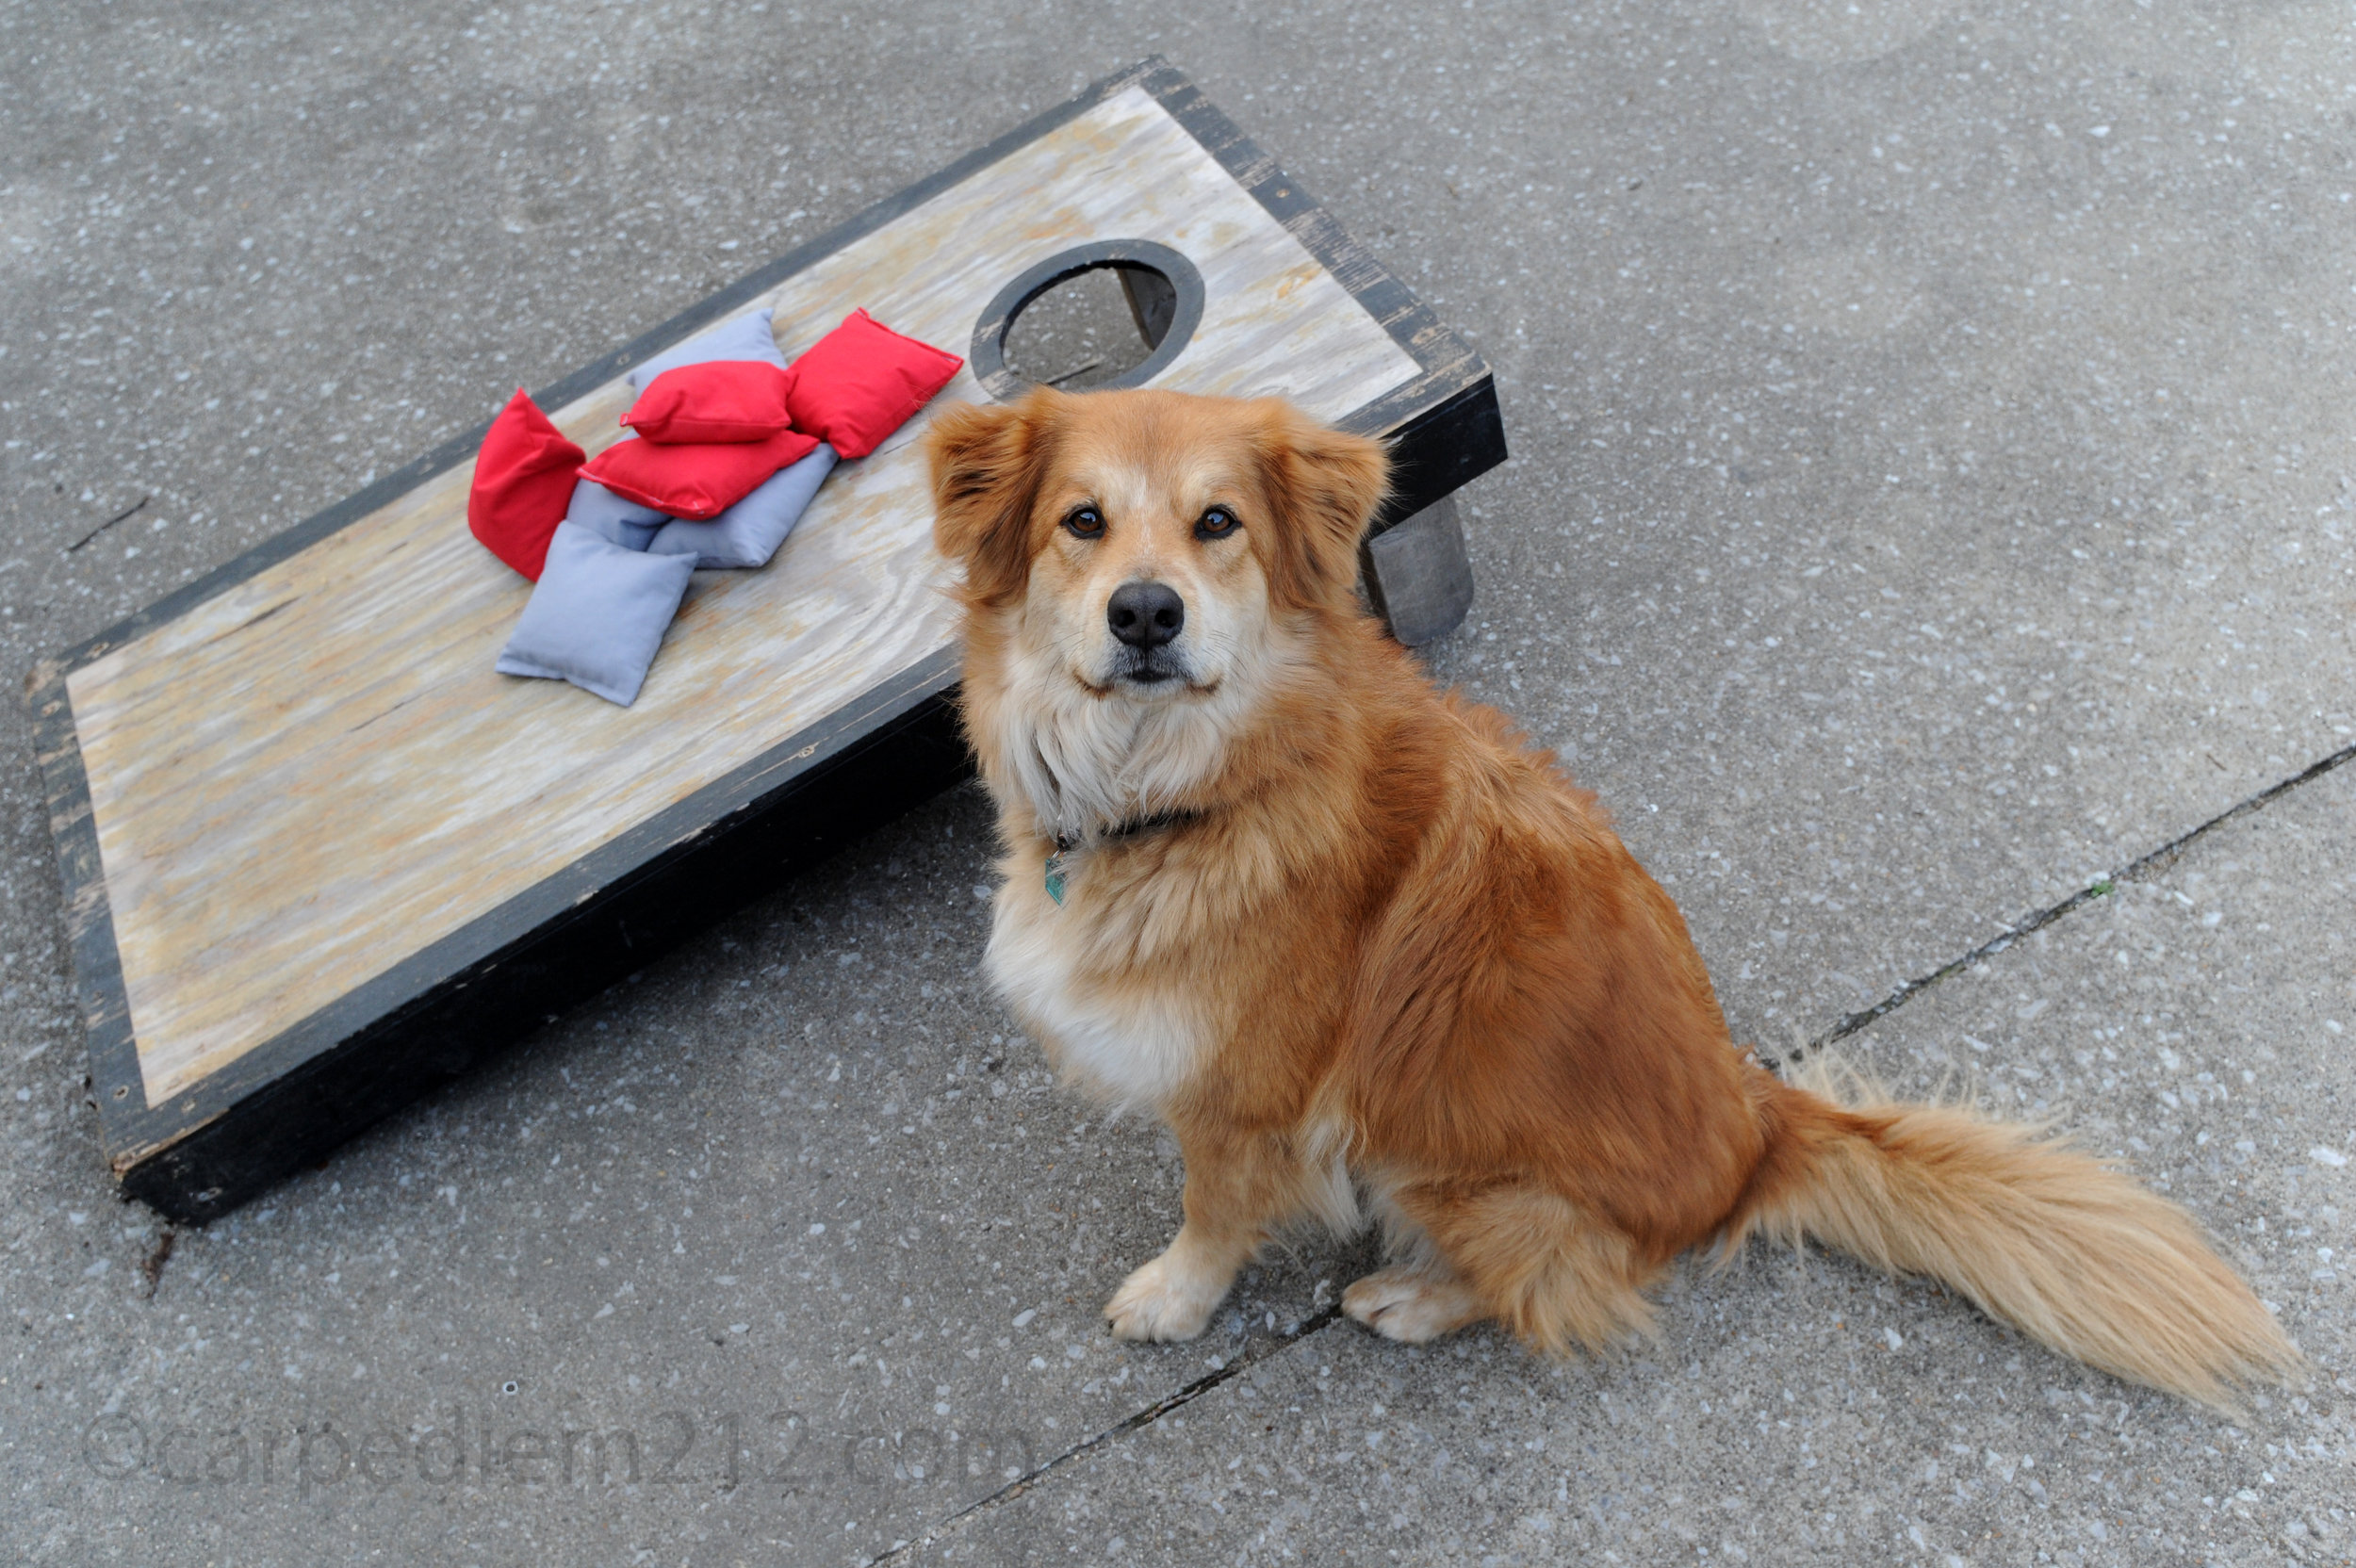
(1067, 842)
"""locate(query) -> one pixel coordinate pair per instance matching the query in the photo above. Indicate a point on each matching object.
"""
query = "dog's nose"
(1146, 614)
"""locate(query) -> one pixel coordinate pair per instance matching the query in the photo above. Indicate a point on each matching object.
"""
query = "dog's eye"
(1086, 523)
(1218, 523)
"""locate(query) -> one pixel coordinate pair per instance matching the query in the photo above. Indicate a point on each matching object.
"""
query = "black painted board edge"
(402, 1033)
(1440, 450)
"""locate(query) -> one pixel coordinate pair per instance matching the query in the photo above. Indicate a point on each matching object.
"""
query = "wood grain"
(317, 772)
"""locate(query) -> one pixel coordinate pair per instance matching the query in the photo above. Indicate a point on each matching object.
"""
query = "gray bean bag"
(597, 615)
(746, 337)
(612, 518)
(749, 533)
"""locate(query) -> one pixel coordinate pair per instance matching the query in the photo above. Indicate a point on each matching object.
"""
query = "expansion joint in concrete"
(2142, 869)
(1243, 1361)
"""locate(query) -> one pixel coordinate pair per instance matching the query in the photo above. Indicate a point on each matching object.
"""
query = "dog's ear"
(987, 464)
(1325, 485)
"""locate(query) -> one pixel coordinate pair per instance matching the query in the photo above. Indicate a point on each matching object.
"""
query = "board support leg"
(1419, 574)
(1152, 302)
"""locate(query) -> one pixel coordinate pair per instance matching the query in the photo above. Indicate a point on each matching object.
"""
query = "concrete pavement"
(1935, 437)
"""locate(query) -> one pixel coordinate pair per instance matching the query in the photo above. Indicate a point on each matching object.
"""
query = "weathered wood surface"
(315, 772)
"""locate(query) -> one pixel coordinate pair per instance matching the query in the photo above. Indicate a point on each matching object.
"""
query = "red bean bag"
(695, 480)
(523, 481)
(861, 382)
(719, 400)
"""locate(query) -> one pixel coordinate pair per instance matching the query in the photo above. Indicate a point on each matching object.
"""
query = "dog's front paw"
(1410, 1307)
(1165, 1300)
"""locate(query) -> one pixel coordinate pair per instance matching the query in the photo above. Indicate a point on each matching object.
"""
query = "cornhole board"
(318, 857)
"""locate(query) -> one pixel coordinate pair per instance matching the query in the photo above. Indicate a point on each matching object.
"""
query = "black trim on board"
(437, 1011)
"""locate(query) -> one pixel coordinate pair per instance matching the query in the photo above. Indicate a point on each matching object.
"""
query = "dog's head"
(1152, 536)
(1138, 566)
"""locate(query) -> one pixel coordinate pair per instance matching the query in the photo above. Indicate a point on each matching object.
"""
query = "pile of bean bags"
(728, 443)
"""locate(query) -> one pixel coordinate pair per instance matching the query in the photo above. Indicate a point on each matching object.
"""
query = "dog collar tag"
(1055, 876)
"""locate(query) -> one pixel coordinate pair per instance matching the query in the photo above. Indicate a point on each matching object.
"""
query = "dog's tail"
(2065, 1248)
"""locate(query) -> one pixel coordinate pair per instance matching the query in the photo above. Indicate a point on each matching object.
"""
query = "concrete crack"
(2139, 870)
(107, 524)
(1138, 1422)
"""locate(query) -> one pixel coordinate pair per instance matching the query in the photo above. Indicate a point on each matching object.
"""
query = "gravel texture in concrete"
(1934, 472)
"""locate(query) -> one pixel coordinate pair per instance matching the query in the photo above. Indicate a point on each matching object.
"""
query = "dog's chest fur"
(1130, 1036)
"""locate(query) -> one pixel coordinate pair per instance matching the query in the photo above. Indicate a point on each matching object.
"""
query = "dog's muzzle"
(1145, 618)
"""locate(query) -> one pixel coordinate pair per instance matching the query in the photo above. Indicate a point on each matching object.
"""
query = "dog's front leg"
(1240, 1185)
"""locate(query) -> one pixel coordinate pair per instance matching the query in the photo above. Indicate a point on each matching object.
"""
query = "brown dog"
(1352, 938)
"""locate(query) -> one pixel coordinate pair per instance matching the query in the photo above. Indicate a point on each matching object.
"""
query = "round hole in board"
(1112, 312)
(1083, 331)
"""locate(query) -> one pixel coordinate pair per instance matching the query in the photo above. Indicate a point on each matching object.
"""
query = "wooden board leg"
(1420, 575)
(1153, 300)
